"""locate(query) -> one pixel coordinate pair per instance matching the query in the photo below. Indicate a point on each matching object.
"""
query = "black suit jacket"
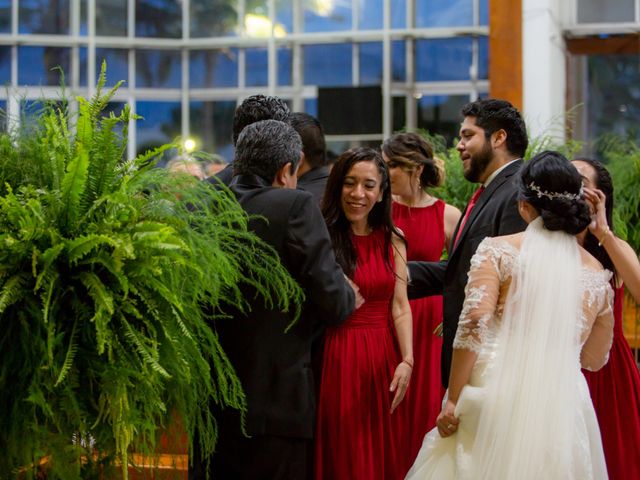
(273, 366)
(223, 176)
(314, 182)
(495, 213)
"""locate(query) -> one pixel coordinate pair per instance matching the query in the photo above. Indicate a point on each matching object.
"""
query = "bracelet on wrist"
(604, 236)
(408, 363)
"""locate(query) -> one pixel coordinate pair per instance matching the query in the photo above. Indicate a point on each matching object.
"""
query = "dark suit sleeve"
(510, 219)
(426, 278)
(310, 255)
(223, 176)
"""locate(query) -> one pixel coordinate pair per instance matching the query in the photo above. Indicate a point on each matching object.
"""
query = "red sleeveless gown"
(615, 391)
(356, 436)
(423, 228)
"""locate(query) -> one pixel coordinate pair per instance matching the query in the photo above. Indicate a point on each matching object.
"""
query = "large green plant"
(110, 271)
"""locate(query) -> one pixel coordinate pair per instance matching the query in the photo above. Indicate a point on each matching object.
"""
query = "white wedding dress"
(526, 412)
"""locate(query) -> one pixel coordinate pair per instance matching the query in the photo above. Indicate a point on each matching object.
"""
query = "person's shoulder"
(589, 261)
(503, 244)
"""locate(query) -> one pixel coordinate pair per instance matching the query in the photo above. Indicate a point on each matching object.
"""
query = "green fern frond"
(79, 247)
(149, 353)
(12, 290)
(73, 186)
(68, 359)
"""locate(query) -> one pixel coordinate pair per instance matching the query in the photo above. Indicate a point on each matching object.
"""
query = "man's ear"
(499, 138)
(282, 175)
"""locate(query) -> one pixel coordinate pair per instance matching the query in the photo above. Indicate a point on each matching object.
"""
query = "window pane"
(117, 64)
(440, 114)
(214, 68)
(284, 14)
(159, 18)
(370, 14)
(399, 113)
(35, 16)
(443, 59)
(398, 13)
(326, 15)
(327, 65)
(398, 61)
(5, 65)
(285, 63)
(160, 124)
(39, 65)
(111, 17)
(211, 126)
(257, 67)
(612, 96)
(484, 12)
(444, 13)
(158, 68)
(371, 63)
(5, 17)
(483, 58)
(213, 18)
(603, 11)
(311, 106)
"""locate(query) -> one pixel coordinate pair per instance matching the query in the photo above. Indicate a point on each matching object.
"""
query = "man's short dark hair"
(256, 108)
(264, 147)
(312, 135)
(492, 115)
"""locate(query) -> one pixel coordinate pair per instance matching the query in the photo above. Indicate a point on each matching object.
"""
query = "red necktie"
(470, 205)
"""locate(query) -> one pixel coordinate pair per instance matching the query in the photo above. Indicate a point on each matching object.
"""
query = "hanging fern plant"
(110, 272)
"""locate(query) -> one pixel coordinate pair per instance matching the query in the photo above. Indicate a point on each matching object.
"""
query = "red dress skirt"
(615, 391)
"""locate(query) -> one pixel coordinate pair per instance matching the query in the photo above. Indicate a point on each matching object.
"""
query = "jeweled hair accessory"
(552, 195)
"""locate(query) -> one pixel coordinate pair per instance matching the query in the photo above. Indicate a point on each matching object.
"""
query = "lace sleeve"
(481, 296)
(595, 350)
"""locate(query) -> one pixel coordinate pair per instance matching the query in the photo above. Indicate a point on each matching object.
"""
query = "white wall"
(543, 66)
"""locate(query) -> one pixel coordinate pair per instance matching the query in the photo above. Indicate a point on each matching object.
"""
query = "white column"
(543, 67)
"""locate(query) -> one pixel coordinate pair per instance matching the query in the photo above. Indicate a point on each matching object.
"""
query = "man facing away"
(274, 366)
(251, 110)
(313, 172)
(493, 140)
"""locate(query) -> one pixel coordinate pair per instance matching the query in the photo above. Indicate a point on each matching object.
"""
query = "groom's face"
(475, 150)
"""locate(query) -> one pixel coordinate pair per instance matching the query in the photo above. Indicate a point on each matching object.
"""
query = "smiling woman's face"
(361, 190)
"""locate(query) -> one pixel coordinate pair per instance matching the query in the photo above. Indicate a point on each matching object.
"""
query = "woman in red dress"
(615, 389)
(367, 361)
(428, 225)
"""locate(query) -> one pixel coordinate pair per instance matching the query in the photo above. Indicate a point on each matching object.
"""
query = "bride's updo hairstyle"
(553, 186)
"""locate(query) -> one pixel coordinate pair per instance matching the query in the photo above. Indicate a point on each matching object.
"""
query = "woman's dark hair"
(553, 186)
(603, 182)
(338, 224)
(410, 150)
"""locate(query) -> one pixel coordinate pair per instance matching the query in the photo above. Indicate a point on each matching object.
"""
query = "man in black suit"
(274, 366)
(313, 172)
(493, 140)
(252, 109)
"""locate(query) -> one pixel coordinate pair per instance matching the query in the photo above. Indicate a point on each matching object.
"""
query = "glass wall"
(186, 64)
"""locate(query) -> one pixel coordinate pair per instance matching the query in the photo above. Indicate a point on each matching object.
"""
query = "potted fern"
(110, 270)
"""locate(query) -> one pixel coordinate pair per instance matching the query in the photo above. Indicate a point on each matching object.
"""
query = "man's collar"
(497, 172)
(249, 179)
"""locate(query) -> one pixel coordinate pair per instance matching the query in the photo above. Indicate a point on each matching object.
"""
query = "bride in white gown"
(537, 308)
